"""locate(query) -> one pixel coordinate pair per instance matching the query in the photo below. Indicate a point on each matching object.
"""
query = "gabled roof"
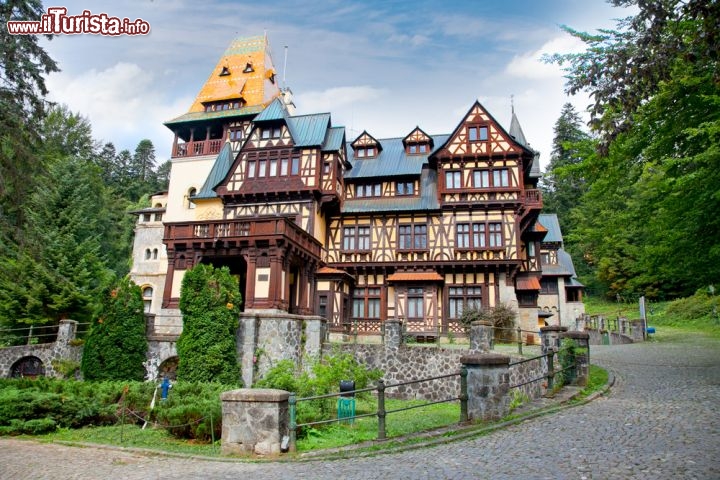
(217, 174)
(478, 114)
(334, 139)
(309, 130)
(550, 221)
(365, 139)
(418, 136)
(391, 161)
(275, 111)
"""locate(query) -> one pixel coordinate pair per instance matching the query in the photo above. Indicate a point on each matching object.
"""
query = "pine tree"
(209, 302)
(117, 346)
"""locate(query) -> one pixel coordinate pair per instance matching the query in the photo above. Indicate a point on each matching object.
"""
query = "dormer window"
(248, 68)
(224, 105)
(417, 149)
(478, 134)
(364, 152)
(271, 132)
(224, 72)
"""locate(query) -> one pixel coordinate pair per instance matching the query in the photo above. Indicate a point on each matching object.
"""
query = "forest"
(637, 190)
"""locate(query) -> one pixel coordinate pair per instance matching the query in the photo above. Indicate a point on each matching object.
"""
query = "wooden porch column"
(251, 260)
(167, 292)
(276, 263)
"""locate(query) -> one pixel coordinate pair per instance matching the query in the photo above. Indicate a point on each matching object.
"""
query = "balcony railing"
(243, 228)
(533, 198)
(196, 149)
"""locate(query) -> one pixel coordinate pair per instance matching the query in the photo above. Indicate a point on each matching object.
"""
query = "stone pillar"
(582, 355)
(246, 343)
(254, 421)
(481, 336)
(550, 337)
(66, 331)
(393, 333)
(314, 336)
(488, 384)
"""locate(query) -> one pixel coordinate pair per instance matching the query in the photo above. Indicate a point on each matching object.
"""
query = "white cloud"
(530, 64)
(122, 102)
(333, 98)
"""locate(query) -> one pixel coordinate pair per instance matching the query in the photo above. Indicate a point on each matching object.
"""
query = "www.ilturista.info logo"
(56, 21)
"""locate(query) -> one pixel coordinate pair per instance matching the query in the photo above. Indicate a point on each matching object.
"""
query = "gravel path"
(659, 421)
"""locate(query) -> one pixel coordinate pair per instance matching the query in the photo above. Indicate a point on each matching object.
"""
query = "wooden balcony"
(240, 231)
(196, 149)
(533, 199)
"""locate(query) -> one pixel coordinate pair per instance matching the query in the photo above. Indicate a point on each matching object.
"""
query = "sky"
(381, 66)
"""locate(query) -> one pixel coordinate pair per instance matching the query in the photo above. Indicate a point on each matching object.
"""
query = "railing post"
(381, 409)
(519, 340)
(551, 369)
(463, 395)
(292, 402)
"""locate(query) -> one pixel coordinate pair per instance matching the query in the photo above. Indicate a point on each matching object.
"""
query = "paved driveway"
(660, 421)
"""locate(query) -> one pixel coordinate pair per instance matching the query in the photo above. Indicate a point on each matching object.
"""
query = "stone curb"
(434, 437)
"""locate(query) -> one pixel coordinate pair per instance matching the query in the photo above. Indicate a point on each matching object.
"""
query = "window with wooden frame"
(412, 237)
(368, 190)
(478, 133)
(495, 238)
(366, 304)
(405, 188)
(415, 308)
(527, 299)
(323, 306)
(478, 235)
(417, 148)
(491, 178)
(270, 132)
(272, 167)
(356, 238)
(235, 134)
(549, 285)
(364, 152)
(453, 179)
(460, 298)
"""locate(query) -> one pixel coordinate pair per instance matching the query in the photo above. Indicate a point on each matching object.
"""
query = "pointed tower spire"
(515, 129)
(245, 73)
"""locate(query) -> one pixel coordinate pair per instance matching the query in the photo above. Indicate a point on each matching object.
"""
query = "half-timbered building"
(356, 230)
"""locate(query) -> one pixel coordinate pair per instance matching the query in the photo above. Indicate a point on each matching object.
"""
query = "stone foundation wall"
(413, 363)
(158, 352)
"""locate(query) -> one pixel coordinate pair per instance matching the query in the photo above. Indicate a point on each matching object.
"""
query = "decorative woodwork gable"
(366, 145)
(418, 137)
(480, 134)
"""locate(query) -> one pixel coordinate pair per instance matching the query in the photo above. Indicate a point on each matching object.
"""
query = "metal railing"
(551, 372)
(381, 412)
(33, 334)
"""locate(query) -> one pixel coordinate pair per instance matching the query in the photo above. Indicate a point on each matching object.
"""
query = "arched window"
(147, 254)
(155, 254)
(191, 193)
(147, 298)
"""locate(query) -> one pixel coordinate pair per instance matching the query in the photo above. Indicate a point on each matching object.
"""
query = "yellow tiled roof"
(255, 87)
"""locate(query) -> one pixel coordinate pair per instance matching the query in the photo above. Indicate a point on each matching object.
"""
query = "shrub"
(501, 316)
(192, 410)
(327, 372)
(116, 346)
(209, 302)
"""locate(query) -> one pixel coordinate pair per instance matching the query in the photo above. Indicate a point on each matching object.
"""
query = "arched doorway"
(168, 368)
(27, 367)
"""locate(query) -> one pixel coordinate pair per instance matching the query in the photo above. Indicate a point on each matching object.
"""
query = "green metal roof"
(200, 116)
(334, 139)
(427, 200)
(391, 161)
(550, 221)
(564, 267)
(275, 111)
(309, 130)
(217, 174)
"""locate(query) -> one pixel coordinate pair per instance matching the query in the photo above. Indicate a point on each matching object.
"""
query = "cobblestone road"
(660, 421)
